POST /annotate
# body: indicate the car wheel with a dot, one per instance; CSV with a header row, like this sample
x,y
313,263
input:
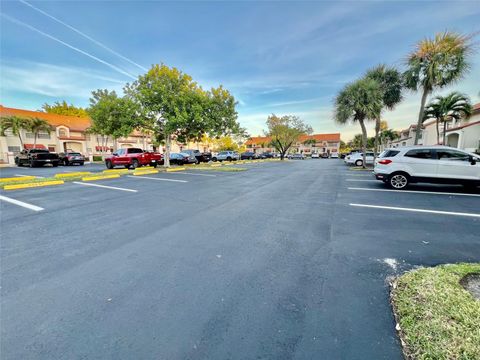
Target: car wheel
x,y
55,164
229,158
31,163
214,159
81,163
109,164
359,162
398,181
250,158
135,163
65,162
154,164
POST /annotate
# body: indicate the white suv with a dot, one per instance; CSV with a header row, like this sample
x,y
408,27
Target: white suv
x,y
357,158
433,164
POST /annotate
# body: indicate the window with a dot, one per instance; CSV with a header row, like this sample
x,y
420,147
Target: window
x,y
29,135
43,135
389,153
14,149
452,155
51,148
134,151
62,132
420,154
8,132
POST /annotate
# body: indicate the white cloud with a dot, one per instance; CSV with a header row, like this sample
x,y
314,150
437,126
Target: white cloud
x,y
54,80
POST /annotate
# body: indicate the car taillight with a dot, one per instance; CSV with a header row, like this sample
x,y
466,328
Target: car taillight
x,y
385,161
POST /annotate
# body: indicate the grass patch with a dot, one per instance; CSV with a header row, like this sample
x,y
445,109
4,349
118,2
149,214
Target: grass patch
x,y
438,318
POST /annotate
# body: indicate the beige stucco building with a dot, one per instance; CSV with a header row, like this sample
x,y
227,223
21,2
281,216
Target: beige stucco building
x,y
306,144
70,133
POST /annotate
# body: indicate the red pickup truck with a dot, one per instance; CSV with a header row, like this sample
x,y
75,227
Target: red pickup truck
x,y
133,157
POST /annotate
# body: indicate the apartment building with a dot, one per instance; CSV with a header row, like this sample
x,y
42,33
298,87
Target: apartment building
x,y
306,144
70,133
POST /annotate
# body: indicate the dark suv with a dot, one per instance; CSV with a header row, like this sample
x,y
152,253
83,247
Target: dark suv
x,y
71,158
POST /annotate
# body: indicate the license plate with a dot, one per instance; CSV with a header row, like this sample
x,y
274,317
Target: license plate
x,y
48,160
154,160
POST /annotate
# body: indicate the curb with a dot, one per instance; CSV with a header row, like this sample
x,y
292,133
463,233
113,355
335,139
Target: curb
x,y
175,169
100,177
23,178
75,174
32,185
145,172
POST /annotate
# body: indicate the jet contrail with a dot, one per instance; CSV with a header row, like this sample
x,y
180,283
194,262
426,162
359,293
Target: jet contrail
x,y
116,68
84,35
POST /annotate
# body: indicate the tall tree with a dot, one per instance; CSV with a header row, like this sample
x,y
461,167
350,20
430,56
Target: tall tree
x,y
174,106
16,125
359,102
436,63
113,115
284,131
444,108
35,126
391,83
62,108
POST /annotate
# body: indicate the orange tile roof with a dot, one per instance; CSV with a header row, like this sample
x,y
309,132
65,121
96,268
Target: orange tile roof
x,y
258,140
72,122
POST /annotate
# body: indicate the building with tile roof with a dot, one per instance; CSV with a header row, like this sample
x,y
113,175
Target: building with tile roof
x,y
306,144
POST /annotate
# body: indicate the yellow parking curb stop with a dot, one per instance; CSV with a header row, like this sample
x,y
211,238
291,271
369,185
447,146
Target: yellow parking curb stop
x,y
32,185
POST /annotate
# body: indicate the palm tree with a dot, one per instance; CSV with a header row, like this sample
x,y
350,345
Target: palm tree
x,y
388,134
436,63
443,108
359,101
391,84
36,125
15,124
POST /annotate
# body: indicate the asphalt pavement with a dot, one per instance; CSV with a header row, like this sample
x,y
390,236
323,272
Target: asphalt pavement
x,y
283,261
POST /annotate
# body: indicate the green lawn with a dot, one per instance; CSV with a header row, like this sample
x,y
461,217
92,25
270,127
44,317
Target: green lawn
x,y
438,318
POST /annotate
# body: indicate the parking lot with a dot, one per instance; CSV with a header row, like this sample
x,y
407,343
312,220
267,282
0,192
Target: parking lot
x,y
284,260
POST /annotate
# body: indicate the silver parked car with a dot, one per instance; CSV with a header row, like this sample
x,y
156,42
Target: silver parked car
x,y
226,156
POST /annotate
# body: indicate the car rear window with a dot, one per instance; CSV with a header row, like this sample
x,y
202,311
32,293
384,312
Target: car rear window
x,y
420,154
135,151
74,154
389,153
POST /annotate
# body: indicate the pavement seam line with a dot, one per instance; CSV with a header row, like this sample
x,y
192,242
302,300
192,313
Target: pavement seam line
x,y
416,210
158,179
415,191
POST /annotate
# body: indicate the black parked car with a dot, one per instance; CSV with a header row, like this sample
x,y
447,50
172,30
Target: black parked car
x,y
248,155
36,157
201,157
71,158
182,158
268,155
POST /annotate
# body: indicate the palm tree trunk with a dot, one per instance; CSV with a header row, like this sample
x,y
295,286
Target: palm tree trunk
x,y
377,131
444,132
364,143
34,140
21,141
420,115
438,132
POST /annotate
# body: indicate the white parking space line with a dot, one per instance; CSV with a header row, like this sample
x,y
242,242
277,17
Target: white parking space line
x,y
416,210
41,177
369,180
21,203
104,186
189,173
415,192
158,179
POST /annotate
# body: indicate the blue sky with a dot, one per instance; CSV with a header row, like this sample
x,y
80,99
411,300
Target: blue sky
x,y
277,57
